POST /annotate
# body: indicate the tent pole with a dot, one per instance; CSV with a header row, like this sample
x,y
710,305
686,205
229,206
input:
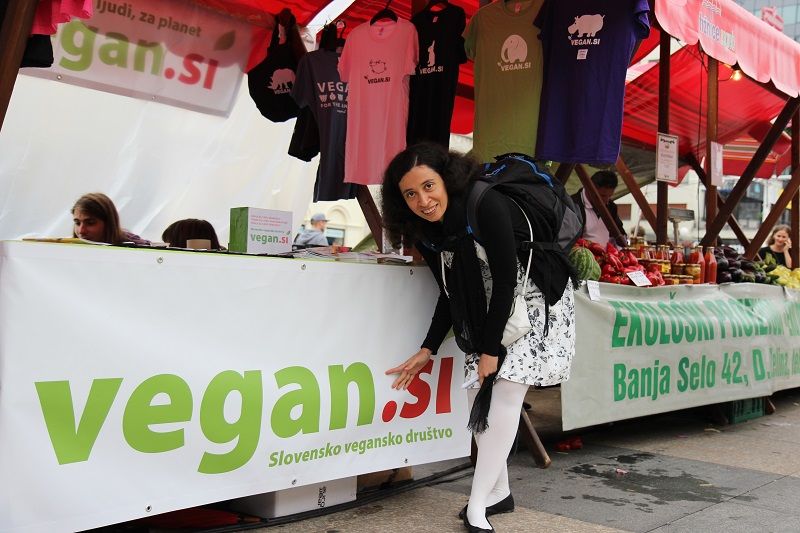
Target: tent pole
x,y
14,35
633,188
794,231
732,222
371,213
563,172
712,108
713,228
662,191
598,205
775,213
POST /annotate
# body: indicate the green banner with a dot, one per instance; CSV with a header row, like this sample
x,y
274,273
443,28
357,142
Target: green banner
x,y
646,351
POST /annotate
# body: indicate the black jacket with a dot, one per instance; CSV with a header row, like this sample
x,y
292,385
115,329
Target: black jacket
x,y
612,208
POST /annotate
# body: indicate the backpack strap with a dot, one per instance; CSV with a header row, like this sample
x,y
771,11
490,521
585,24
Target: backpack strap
x,y
479,188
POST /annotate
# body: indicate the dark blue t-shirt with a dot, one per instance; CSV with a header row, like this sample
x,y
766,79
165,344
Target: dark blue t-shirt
x,y
587,45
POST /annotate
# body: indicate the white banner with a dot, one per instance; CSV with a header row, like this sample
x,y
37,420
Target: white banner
x,y
135,382
647,351
190,57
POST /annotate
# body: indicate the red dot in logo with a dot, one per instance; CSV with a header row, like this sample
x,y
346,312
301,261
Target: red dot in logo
x,y
169,73
389,411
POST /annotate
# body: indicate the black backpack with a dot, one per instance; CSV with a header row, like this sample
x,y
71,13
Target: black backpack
x,y
556,221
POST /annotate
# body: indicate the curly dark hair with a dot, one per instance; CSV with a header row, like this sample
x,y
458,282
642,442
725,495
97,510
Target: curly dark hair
x,y
456,170
180,231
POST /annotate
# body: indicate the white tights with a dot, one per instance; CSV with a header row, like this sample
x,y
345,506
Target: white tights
x,y
490,482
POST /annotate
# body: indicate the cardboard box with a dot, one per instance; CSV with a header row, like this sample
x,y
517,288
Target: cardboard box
x,y
260,231
297,499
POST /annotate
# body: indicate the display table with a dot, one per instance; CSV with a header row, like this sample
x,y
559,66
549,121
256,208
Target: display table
x,y
136,381
646,351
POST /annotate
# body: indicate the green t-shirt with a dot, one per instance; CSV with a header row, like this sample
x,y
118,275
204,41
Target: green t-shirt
x,y
505,46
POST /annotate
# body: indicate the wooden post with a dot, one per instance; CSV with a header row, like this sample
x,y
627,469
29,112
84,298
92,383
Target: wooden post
x,y
783,200
732,222
713,227
662,191
630,182
371,213
14,35
563,171
599,207
794,231
712,106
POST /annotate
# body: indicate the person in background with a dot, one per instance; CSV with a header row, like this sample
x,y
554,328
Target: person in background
x,y
778,246
315,235
180,231
95,218
594,229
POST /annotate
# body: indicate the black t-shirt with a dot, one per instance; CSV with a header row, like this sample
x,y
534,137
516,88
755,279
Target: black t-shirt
x,y
433,85
319,87
779,256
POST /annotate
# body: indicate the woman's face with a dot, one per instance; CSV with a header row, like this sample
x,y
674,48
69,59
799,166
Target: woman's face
x,y
781,238
424,192
87,226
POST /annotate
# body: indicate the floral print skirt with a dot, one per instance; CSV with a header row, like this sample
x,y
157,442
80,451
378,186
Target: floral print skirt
x,y
535,359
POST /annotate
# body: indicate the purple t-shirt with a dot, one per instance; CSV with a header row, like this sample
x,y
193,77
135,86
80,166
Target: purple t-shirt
x,y
588,45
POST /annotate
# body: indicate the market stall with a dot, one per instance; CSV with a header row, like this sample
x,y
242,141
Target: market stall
x,y
124,394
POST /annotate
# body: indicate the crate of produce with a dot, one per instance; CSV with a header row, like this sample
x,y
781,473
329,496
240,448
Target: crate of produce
x,y
743,410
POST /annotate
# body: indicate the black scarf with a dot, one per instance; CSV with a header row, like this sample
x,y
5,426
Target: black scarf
x,y
467,295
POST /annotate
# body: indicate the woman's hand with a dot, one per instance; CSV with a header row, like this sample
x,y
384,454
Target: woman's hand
x,y
409,369
487,365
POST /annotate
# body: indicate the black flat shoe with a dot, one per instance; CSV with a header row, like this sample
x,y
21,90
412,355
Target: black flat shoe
x,y
506,505
476,529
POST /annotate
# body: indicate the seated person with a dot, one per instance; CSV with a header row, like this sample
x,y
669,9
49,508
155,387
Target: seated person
x,y
181,231
778,246
95,218
315,235
594,229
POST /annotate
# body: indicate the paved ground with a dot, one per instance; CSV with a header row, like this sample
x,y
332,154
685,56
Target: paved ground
x,y
669,473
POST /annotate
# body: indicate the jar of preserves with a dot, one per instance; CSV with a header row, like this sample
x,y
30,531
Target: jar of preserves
x,y
685,280
695,270
670,279
666,266
678,268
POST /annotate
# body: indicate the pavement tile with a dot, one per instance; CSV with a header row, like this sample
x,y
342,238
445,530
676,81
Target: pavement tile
x,y
431,509
733,517
780,496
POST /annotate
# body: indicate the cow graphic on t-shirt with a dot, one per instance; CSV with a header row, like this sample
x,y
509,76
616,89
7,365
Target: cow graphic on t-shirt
x,y
282,81
513,54
378,68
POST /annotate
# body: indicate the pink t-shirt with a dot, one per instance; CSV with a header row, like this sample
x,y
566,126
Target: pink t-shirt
x,y
376,62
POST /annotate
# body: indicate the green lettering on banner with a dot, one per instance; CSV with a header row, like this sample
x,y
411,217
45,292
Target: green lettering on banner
x,y
307,396
77,40
114,53
73,445
156,50
245,431
619,382
140,414
340,379
620,321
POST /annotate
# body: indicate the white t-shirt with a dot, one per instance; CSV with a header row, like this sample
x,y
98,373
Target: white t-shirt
x,y
595,230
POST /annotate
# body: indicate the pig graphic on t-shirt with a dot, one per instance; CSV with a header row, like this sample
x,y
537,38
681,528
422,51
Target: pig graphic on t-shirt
x,y
282,80
586,25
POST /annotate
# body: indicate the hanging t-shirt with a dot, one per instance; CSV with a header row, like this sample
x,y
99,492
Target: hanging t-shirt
x,y
376,62
319,87
433,86
505,46
588,45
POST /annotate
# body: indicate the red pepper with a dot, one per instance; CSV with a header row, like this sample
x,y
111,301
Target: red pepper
x,y
615,262
611,249
625,280
596,249
583,243
631,258
631,269
654,267
607,270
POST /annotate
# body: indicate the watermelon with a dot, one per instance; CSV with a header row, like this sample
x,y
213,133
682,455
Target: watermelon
x,y
585,263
